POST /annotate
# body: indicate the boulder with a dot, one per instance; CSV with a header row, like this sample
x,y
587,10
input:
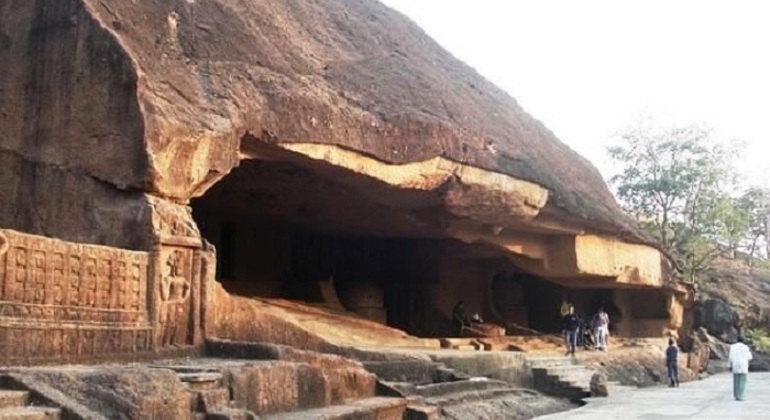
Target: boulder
x,y
699,355
719,319
718,350
717,366
599,385
760,363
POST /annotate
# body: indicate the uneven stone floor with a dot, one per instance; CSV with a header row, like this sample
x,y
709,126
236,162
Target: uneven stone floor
x,y
711,398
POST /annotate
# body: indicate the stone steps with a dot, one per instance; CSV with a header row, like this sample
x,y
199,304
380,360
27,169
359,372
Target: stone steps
x,y
237,390
470,385
14,405
417,372
375,408
201,381
548,361
10,399
209,398
30,413
427,400
561,377
228,414
470,396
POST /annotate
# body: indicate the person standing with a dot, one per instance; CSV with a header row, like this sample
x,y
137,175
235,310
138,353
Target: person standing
x,y
672,363
570,326
740,356
601,323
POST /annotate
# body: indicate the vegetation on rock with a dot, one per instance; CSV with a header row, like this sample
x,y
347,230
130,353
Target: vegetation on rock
x,y
681,184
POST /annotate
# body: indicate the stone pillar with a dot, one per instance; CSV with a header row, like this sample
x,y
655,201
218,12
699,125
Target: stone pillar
x,y
675,312
623,302
365,299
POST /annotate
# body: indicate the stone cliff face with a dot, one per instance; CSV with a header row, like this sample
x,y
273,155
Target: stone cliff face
x,y
106,104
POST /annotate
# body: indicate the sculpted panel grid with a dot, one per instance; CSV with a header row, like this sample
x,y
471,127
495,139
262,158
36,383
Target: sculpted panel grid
x,y
58,281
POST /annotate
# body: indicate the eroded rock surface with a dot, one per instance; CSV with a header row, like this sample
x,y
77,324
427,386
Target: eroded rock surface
x,y
163,95
718,319
118,392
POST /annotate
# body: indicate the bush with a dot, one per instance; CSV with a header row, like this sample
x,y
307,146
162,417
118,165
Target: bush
x,y
759,338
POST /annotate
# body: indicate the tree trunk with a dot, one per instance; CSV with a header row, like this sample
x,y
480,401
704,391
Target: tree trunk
x,y
753,250
664,230
767,239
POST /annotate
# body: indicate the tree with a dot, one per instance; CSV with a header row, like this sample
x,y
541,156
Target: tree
x,y
675,181
756,203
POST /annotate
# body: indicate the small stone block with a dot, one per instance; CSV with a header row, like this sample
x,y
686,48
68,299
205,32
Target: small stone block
x,y
10,399
210,401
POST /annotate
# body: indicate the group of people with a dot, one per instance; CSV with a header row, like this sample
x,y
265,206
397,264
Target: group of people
x,y
738,358
579,333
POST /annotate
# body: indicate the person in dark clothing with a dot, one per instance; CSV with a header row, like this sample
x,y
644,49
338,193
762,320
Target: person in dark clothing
x,y
672,356
570,326
458,317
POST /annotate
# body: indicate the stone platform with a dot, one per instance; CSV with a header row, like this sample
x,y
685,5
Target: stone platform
x,y
708,399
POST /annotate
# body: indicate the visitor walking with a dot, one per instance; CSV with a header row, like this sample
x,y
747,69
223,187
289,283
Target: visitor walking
x,y
601,323
672,363
570,326
739,358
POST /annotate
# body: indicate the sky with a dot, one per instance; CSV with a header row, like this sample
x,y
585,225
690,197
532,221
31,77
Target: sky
x,y
589,68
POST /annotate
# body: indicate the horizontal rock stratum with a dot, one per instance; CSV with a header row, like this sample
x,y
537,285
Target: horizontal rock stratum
x,y
109,107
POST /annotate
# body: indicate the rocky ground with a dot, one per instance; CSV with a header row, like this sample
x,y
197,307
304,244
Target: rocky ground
x,y
640,367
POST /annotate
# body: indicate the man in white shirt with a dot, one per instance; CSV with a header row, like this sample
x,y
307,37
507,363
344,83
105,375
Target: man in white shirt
x,y
740,355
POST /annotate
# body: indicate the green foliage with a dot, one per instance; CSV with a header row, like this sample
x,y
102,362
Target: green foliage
x,y
756,205
759,338
676,181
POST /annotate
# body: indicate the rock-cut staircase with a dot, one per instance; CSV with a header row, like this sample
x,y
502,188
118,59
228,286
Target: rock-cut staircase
x,y
215,396
430,388
565,377
17,405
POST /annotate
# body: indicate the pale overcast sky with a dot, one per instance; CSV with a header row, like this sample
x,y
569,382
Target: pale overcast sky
x,y
586,68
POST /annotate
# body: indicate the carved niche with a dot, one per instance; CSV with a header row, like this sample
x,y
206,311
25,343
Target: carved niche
x,y
177,290
174,296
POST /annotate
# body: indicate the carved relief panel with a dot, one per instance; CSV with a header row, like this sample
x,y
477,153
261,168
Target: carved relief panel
x,y
174,296
66,300
176,275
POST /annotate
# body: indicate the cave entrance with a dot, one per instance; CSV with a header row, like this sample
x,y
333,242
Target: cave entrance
x,y
526,300
299,229
535,303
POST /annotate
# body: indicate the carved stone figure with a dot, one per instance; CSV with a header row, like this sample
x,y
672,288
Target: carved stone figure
x,y
174,295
